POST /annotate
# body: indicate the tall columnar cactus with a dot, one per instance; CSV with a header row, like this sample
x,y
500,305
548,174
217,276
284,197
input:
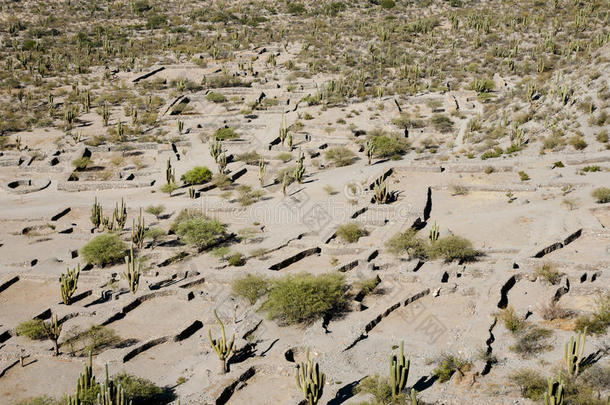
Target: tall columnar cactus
x,y
137,231
283,130
290,140
53,330
299,171
97,214
180,126
310,380
369,149
120,214
381,193
86,379
108,223
222,162
554,395
111,393
434,233
192,192
399,372
105,115
215,149
132,272
262,168
87,101
572,356
221,347
285,181
170,173
67,284
413,397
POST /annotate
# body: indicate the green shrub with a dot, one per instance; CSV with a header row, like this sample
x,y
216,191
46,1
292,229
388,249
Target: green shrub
x,y
247,196
510,320
155,210
304,298
387,4
366,286
81,163
156,21
524,176
351,232
104,250
407,242
548,272
95,340
201,232
380,389
197,175
225,133
448,365
532,341
284,157
452,248
32,329
482,85
388,146
441,123
215,97
601,195
295,8
237,259
577,142
249,158
250,287
141,391
530,382
340,156
591,169
496,152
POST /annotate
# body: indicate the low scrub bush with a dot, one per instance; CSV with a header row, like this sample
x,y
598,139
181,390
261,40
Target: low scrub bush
x,y
225,133
388,145
511,321
532,341
448,365
530,382
598,322
215,97
351,232
32,329
452,248
94,339
141,391
340,156
547,272
305,298
197,175
195,229
104,250
250,287
601,195
407,242
236,259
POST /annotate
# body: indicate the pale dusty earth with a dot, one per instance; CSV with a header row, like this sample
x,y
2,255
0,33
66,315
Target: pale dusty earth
x,y
453,304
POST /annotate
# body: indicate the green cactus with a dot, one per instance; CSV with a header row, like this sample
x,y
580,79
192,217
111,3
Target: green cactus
x,y
555,393
290,139
369,149
283,130
111,393
137,231
120,130
120,214
222,162
132,272
180,126
434,233
299,171
220,346
572,356
413,397
67,284
170,173
192,192
310,380
215,149
105,115
262,168
108,223
52,330
381,194
87,101
86,381
97,214
285,181
399,372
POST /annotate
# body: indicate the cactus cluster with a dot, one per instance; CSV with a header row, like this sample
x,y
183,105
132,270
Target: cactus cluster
x,y
110,393
53,330
299,171
283,130
399,372
310,380
215,149
132,272
222,162
574,350
262,168
97,214
381,193
120,214
221,347
434,233
170,173
67,284
369,150
555,392
137,231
